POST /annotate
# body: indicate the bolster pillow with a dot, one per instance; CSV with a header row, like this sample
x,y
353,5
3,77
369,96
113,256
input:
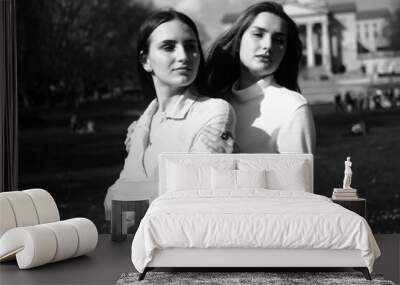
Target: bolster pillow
x,y
40,244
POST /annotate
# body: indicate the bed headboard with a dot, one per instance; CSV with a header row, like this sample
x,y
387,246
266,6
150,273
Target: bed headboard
x,y
287,170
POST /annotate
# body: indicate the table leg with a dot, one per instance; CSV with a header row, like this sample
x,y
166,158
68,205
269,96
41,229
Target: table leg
x,y
116,221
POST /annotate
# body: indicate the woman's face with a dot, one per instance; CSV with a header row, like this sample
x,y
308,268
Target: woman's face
x,y
263,45
173,55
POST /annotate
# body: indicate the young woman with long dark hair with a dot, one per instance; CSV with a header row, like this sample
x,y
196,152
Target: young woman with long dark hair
x,y
171,71
255,65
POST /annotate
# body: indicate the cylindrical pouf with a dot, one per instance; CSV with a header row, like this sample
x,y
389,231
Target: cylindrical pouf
x,y
45,205
87,235
67,239
7,218
23,208
33,246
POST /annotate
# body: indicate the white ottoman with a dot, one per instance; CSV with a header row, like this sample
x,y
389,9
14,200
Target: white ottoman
x,y
31,231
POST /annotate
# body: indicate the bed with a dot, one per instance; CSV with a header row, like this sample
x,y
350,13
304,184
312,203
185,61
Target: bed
x,y
247,210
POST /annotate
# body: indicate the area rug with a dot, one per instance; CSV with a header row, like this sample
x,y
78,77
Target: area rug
x,y
244,278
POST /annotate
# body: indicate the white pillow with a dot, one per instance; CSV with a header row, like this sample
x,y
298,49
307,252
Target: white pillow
x,y
181,178
251,179
223,179
237,179
193,174
281,174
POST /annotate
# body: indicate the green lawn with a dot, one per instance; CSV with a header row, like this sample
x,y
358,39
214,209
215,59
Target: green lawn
x,y
78,168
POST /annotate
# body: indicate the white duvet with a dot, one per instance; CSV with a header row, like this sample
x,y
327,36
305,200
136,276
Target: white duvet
x,y
250,219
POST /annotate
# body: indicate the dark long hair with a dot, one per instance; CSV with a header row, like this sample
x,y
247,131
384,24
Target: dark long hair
x,y
147,27
223,61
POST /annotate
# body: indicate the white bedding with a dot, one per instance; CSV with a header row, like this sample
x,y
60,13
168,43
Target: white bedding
x,y
251,218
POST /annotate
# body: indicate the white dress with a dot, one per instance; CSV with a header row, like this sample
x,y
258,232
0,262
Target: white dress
x,y
272,119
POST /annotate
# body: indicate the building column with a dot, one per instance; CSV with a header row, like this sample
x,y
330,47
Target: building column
x,y
326,59
310,48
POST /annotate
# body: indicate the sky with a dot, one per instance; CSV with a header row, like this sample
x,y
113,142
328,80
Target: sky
x,y
209,13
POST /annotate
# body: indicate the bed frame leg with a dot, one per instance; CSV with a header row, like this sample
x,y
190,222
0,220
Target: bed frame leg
x,y
143,274
364,271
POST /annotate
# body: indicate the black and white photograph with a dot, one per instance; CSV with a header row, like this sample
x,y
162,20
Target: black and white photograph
x,y
200,142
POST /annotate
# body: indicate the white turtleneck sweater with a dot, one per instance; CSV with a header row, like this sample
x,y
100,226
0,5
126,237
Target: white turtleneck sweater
x,y
272,119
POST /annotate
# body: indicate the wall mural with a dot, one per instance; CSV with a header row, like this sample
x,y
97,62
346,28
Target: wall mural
x,y
82,92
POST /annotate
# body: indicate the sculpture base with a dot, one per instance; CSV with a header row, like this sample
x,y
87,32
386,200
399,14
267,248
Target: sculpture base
x,y
348,190
344,194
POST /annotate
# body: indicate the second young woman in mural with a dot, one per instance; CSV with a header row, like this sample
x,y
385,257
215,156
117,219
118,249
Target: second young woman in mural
x,y
255,65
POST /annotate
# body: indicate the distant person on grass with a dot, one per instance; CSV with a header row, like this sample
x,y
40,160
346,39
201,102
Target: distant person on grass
x,y
171,70
350,102
338,106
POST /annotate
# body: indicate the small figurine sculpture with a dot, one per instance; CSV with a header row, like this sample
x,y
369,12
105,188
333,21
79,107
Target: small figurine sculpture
x,y
347,174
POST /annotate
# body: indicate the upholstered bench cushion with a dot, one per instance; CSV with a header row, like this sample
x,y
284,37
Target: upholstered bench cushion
x,y
40,244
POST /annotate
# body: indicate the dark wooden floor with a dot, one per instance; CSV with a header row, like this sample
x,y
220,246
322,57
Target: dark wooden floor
x,y
111,259
103,266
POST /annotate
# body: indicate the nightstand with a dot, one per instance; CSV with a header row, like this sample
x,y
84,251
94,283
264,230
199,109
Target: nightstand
x,y
357,205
